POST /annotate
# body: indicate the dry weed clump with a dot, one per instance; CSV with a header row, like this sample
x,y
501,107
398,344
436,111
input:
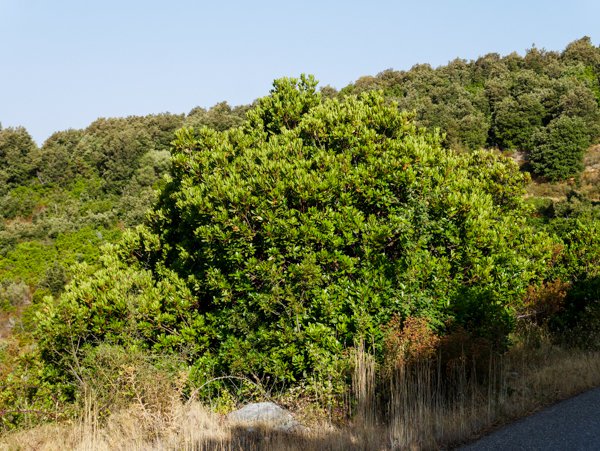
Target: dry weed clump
x,y
408,342
542,302
189,426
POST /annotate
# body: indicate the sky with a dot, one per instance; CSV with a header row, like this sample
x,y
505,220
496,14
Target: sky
x,y
68,62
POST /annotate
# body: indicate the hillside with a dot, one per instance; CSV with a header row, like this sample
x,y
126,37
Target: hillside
x,y
253,252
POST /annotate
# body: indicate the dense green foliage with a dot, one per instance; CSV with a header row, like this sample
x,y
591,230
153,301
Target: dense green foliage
x,y
278,245
576,224
559,147
282,234
60,202
16,149
545,103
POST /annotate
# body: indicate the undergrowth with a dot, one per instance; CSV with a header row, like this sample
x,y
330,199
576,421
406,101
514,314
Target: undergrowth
x,y
426,395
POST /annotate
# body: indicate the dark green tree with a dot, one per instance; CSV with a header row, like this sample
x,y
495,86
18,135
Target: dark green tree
x,y
113,147
59,160
557,150
16,152
582,51
516,120
220,116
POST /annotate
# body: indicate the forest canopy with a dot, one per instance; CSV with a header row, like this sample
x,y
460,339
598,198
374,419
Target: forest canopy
x,y
544,104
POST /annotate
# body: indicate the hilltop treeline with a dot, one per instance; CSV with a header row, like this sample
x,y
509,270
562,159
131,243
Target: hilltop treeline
x,y
273,238
545,103
59,202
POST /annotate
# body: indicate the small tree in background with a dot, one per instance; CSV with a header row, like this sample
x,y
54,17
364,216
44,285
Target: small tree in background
x,y
16,151
557,151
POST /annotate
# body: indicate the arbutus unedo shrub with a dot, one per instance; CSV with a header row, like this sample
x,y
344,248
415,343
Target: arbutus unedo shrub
x,y
308,228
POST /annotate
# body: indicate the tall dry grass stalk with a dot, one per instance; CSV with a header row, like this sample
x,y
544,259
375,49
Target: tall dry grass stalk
x,y
423,404
363,384
434,402
432,407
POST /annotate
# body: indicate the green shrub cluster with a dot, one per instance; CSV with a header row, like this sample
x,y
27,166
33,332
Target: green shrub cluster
x,y
278,245
575,223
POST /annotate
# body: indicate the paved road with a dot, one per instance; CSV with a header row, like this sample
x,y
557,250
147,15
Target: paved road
x,y
571,425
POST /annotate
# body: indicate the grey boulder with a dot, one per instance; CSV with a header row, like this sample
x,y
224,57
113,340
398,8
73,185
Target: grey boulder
x,y
265,414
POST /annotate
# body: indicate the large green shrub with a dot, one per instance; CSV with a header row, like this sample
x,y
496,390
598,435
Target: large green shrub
x,y
277,245
576,224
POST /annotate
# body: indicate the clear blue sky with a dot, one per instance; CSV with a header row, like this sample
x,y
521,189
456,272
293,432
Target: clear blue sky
x,y
67,62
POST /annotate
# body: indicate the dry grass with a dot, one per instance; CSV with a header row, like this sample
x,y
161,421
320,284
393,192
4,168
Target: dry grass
x,y
189,427
556,191
422,405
